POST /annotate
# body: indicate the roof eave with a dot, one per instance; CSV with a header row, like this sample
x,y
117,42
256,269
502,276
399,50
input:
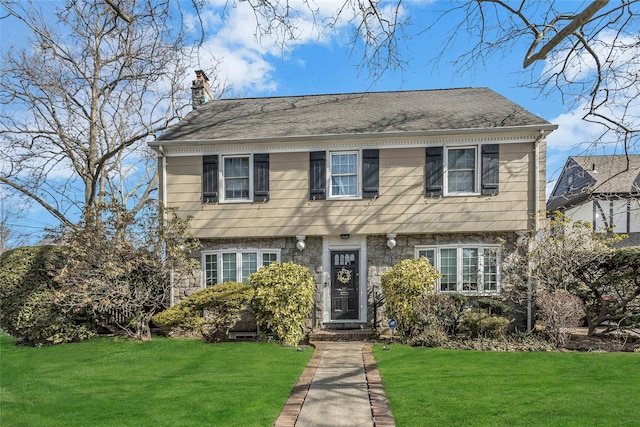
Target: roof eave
x,y
545,128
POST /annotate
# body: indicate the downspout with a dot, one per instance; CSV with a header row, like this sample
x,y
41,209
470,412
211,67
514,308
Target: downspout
x,y
536,225
163,201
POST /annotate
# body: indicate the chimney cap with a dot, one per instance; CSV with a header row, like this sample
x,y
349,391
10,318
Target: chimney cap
x,y
200,73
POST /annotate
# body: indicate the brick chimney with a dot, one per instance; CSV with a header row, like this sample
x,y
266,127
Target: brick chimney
x,y
200,91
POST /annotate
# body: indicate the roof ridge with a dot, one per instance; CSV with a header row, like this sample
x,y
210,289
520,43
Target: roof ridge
x,y
352,93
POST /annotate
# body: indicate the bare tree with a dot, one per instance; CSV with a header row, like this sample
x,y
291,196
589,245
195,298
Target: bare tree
x,y
588,52
97,80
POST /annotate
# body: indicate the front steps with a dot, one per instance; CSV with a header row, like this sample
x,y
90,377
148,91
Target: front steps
x,y
342,335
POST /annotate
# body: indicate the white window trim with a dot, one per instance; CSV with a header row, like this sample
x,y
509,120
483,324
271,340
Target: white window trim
x,y
329,187
445,168
222,182
459,247
238,252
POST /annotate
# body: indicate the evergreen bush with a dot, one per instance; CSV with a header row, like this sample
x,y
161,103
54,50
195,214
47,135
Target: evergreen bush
x,y
27,305
210,312
283,299
404,285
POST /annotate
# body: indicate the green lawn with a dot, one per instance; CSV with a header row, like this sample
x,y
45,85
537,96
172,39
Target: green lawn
x,y
435,387
179,382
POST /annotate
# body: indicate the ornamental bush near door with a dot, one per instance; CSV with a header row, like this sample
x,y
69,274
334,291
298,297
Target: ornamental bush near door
x,y
403,287
283,299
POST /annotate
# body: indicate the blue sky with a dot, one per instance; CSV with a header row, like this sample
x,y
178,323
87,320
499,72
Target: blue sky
x,y
326,62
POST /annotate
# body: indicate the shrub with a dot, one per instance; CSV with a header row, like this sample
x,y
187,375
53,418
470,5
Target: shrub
x,y
27,308
437,319
479,323
210,312
403,286
559,312
283,299
495,307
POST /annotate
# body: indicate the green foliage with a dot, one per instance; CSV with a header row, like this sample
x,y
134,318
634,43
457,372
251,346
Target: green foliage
x,y
118,267
27,290
479,323
403,286
495,307
211,311
283,299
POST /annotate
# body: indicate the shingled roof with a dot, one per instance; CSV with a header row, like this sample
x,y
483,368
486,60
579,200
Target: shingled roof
x,y
351,114
612,174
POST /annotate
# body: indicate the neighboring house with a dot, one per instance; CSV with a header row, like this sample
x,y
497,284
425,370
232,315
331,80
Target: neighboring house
x,y
603,191
350,184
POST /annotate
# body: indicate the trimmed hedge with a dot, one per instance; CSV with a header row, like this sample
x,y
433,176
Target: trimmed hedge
x,y
210,312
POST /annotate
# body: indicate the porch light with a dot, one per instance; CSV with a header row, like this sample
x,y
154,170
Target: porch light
x,y
391,240
301,245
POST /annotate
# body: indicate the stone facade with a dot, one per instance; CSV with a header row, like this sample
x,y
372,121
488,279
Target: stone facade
x,y
379,259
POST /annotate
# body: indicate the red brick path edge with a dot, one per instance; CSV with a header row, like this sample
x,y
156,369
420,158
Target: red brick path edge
x,y
291,410
380,409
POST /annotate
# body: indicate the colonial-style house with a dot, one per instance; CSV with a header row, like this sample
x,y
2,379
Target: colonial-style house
x,y
350,184
603,191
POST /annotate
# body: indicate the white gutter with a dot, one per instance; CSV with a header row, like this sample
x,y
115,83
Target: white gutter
x,y
536,212
163,174
163,200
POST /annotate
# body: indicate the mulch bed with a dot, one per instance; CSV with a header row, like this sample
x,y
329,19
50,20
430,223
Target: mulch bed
x,y
580,342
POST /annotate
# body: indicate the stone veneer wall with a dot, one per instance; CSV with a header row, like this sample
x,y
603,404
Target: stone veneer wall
x,y
310,257
380,259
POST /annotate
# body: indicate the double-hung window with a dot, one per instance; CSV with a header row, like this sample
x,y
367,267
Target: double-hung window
x,y
235,266
467,269
459,171
235,178
344,174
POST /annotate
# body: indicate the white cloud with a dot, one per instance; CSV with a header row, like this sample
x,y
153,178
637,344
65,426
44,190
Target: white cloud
x,y
245,55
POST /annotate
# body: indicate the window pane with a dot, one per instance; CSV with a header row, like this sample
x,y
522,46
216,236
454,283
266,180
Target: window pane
x,y
469,269
461,170
210,269
490,269
344,174
269,258
249,265
430,254
236,177
448,269
229,267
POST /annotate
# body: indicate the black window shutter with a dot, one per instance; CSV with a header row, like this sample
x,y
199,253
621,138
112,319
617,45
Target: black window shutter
x,y
370,173
317,175
209,179
490,169
433,172
260,177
